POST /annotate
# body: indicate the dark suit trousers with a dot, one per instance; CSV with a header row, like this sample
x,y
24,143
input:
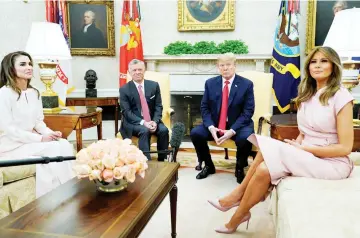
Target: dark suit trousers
x,y
200,135
144,136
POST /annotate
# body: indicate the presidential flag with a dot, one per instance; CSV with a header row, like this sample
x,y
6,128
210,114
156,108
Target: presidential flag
x,y
130,37
55,12
285,62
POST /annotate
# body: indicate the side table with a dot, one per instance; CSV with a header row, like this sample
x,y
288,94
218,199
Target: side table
x,y
75,118
284,126
99,101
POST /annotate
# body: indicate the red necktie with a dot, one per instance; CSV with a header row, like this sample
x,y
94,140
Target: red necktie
x,y
224,107
144,105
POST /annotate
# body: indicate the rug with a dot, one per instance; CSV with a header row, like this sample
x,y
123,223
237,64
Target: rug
x,y
189,160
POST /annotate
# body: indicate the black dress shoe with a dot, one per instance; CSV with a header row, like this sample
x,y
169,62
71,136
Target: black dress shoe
x,y
240,175
198,167
205,172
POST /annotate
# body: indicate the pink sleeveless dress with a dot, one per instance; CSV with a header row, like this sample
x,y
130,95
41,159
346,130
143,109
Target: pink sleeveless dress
x,y
318,124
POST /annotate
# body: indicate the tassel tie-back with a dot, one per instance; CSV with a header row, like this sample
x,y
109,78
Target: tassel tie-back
x,y
292,6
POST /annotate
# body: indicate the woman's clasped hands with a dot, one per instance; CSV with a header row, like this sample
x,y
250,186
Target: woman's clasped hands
x,y
56,135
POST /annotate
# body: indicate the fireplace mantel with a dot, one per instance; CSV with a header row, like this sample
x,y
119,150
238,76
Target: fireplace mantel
x,y
188,73
186,62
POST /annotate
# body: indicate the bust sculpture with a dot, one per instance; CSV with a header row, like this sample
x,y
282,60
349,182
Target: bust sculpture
x,y
90,78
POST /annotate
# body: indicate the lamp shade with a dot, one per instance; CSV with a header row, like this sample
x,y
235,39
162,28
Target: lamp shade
x,y
46,41
344,33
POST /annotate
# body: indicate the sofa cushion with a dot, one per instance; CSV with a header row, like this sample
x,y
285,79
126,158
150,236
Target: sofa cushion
x,y
15,195
1,179
4,203
318,208
15,173
21,193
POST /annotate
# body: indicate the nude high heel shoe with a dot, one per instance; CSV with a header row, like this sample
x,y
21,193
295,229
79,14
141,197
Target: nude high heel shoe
x,y
217,205
226,230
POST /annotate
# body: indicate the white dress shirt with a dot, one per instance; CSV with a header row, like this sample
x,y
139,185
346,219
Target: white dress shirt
x,y
230,83
142,86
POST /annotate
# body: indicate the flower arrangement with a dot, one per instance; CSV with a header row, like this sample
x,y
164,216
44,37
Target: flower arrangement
x,y
111,160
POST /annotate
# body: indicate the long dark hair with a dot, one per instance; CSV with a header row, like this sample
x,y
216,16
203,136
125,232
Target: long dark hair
x,y
8,73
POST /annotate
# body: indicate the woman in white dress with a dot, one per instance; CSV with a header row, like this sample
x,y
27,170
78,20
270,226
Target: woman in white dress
x,y
23,133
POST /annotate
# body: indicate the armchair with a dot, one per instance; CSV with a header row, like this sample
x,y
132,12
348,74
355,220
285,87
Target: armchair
x,y
164,82
262,93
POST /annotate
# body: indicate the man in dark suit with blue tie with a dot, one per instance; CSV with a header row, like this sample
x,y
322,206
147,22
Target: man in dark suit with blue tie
x,y
226,108
141,108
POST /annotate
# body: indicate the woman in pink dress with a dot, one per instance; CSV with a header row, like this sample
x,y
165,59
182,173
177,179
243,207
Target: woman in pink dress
x,y
320,151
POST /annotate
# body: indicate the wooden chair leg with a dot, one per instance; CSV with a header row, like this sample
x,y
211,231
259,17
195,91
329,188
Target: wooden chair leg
x,y
226,153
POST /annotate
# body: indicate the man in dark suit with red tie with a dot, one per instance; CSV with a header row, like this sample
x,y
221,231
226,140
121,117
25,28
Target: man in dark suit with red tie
x,y
226,108
141,108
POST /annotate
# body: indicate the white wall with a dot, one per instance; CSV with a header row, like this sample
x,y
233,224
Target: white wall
x,y
255,24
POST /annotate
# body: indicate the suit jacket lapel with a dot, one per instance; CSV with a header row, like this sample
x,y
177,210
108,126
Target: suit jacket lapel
x,y
135,93
233,90
219,93
147,90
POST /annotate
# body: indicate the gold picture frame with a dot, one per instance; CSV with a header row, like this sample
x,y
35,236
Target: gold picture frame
x,y
210,16
320,15
99,39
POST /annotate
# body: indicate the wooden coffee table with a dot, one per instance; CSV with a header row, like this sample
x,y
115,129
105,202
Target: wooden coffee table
x,y
77,209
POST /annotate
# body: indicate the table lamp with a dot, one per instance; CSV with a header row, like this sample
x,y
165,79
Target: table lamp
x,y
343,36
47,45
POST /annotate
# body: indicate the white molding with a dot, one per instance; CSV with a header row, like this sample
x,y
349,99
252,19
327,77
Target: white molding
x,y
202,57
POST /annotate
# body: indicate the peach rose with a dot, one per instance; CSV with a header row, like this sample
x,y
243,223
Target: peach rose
x,y
108,175
109,162
96,164
83,156
82,170
119,172
130,174
95,174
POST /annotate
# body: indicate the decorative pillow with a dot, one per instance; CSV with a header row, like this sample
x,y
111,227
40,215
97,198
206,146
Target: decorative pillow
x,y
355,157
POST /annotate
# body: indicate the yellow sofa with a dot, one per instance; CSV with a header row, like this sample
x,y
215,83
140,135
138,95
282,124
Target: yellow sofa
x,y
263,108
164,82
17,188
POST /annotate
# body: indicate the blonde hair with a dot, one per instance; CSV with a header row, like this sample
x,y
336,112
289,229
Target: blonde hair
x,y
307,87
227,57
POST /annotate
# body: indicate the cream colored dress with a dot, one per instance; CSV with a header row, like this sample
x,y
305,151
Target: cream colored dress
x,y
21,130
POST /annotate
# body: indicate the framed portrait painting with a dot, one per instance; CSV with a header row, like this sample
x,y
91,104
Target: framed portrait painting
x,y
91,27
206,15
320,17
